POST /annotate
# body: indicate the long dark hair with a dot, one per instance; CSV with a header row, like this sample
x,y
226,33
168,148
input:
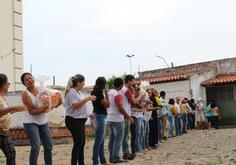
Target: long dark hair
x,y
153,94
100,84
3,79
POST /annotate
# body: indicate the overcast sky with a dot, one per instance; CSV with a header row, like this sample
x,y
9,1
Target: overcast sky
x,y
92,37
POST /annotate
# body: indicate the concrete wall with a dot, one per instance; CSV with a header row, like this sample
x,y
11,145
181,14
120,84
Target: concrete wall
x,y
11,36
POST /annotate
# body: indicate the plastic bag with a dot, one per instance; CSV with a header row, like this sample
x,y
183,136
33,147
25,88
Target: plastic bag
x,y
143,100
46,94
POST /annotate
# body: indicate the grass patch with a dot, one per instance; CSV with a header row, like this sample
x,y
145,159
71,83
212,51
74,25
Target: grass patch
x,y
188,159
226,156
2,161
214,132
188,163
87,147
214,148
234,150
200,154
194,153
183,142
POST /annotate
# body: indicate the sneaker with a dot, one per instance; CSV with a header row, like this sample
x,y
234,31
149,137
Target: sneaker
x,y
142,151
154,147
128,157
139,153
134,155
120,161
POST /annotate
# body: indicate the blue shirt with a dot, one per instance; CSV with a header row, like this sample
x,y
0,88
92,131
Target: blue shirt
x,y
208,114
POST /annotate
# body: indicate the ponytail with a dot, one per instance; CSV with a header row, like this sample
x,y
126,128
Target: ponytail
x,y
72,82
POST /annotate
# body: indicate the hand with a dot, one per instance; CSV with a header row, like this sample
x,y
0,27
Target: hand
x,y
59,102
159,108
92,117
92,98
151,118
45,105
142,93
149,102
106,88
20,108
219,117
131,120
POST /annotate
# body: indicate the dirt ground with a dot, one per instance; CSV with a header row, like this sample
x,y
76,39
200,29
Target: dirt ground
x,y
201,147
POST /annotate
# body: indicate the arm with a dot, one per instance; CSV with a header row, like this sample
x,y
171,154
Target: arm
x,y
13,109
27,101
209,110
106,101
217,111
135,101
153,108
79,104
123,112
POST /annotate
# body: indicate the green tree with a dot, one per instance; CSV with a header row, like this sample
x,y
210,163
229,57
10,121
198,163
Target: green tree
x,y
110,81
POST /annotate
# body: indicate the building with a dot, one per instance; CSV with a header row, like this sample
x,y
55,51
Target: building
x,y
209,80
11,36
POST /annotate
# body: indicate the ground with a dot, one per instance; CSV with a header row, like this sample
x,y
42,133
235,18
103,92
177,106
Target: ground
x,y
201,147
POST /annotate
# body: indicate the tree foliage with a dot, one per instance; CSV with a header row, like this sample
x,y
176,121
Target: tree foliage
x,y
110,81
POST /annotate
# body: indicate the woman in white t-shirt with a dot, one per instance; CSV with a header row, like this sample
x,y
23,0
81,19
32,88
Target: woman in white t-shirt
x,y
6,143
77,112
35,121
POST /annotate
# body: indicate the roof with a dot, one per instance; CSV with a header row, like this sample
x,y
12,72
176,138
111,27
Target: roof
x,y
221,80
166,78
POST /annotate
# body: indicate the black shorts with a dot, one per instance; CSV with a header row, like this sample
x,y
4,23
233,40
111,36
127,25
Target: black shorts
x,y
209,119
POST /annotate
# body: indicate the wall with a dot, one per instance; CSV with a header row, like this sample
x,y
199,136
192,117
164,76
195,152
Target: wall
x,y
222,67
11,36
173,89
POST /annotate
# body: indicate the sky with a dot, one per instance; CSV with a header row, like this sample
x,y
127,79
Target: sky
x,y
92,37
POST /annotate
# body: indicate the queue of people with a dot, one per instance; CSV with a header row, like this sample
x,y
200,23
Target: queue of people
x,y
120,109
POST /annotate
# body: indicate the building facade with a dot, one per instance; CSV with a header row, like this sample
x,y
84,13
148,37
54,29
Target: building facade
x,y
11,38
215,80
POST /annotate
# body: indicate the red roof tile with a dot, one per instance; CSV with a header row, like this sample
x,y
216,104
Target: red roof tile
x,y
221,80
166,78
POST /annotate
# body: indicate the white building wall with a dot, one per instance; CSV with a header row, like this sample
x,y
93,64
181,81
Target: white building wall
x,y
173,89
11,36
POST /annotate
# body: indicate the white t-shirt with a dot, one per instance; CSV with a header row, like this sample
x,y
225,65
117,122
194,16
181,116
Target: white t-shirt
x,y
126,95
114,114
39,119
147,115
72,97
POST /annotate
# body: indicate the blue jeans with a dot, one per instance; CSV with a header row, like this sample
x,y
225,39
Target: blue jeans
x,y
116,133
36,133
177,125
100,129
214,121
184,120
145,133
170,119
125,143
135,130
160,128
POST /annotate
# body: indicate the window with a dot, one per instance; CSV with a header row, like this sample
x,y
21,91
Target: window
x,y
221,93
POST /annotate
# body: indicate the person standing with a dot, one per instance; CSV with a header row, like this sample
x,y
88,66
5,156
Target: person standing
x,y
199,113
127,99
177,118
171,117
153,122
77,112
136,128
6,142
184,112
215,113
100,106
147,117
115,121
35,121
193,113
208,115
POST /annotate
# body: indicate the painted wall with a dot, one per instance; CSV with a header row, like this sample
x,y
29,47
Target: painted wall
x,y
11,36
173,89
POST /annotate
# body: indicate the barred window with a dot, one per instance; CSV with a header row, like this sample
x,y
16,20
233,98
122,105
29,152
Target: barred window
x,y
221,93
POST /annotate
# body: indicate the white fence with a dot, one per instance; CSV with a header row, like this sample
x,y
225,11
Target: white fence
x,y
55,117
